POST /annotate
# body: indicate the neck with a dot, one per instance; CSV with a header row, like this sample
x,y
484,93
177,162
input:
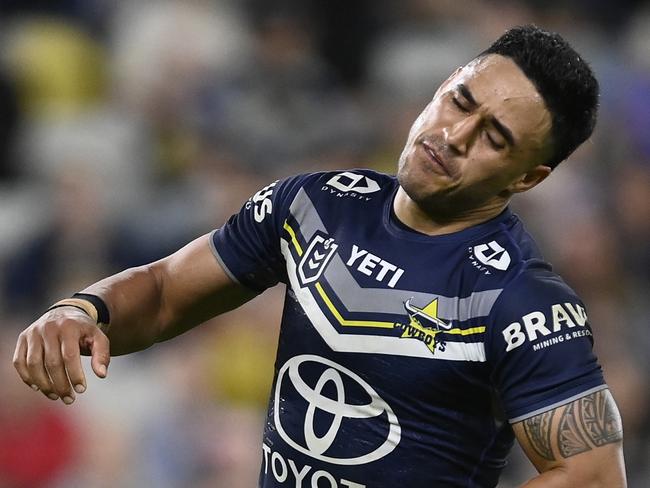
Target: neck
x,y
426,222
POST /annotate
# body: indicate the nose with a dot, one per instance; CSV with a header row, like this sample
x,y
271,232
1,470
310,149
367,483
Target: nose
x,y
459,136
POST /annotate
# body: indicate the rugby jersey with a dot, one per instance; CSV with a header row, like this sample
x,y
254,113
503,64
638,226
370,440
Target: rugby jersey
x,y
403,358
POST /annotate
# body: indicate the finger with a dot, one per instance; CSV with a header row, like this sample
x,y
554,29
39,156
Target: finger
x,y
56,368
72,360
20,362
36,368
101,355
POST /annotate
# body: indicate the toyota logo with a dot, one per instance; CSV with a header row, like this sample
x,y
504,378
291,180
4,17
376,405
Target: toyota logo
x,y
376,413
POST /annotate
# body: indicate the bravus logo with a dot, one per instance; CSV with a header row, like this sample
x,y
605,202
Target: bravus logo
x,y
567,321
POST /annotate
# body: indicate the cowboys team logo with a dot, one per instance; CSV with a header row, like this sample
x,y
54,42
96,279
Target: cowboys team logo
x,y
319,252
424,325
316,399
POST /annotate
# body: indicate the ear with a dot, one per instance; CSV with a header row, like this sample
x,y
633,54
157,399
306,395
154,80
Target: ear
x,y
529,179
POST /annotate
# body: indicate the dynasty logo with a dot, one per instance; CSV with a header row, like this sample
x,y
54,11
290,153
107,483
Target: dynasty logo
x,y
424,325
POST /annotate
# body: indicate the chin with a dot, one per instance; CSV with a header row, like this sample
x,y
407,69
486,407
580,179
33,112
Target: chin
x,y
415,187
432,197
418,184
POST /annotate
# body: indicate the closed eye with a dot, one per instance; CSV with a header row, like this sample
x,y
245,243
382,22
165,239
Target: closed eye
x,y
459,105
494,143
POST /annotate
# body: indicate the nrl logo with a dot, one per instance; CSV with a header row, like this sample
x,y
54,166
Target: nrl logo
x,y
319,252
424,325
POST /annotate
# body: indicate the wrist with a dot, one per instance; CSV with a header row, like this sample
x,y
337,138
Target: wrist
x,y
91,305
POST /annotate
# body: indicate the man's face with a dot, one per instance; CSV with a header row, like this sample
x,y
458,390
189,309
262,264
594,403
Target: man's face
x,y
486,128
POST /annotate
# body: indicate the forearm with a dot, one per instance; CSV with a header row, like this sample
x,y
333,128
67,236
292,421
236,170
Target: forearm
x,y
554,478
563,478
147,304
134,301
161,300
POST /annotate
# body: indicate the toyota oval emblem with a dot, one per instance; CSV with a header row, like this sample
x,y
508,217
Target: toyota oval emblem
x,y
316,441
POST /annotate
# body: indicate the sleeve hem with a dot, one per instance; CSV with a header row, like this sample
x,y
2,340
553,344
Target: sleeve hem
x,y
557,404
219,259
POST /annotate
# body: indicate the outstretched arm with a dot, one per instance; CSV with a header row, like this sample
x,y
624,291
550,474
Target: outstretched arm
x,y
161,300
577,444
147,304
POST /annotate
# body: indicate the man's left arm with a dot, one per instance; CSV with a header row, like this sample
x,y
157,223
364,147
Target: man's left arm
x,y
577,444
551,386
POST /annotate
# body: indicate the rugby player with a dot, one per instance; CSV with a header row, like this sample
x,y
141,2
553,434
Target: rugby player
x,y
422,331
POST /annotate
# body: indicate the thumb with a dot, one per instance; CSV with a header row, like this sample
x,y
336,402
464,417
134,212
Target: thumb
x,y
100,352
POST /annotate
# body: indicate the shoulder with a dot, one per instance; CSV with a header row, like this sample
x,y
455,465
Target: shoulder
x,y
505,252
531,294
534,282
538,308
351,182
337,193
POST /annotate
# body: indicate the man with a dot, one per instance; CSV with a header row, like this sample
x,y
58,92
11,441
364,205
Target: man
x,y
422,331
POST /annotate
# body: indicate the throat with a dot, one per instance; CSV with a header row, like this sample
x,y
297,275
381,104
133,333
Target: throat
x,y
443,221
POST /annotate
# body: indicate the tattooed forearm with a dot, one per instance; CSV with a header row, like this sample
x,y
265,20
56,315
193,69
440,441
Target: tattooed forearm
x,y
589,422
538,431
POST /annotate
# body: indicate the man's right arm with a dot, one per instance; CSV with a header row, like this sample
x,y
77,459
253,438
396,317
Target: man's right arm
x,y
147,304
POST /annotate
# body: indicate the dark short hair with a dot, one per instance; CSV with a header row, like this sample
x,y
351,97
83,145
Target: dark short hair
x,y
564,80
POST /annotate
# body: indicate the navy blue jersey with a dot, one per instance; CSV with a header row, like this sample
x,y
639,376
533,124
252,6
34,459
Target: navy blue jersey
x,y
402,357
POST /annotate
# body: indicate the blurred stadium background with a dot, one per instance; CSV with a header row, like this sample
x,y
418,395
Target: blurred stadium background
x,y
128,128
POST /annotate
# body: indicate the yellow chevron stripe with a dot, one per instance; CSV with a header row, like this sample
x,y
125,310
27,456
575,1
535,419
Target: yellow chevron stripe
x,y
292,233
350,323
464,332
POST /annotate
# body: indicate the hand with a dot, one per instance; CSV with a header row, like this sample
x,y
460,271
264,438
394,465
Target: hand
x,y
48,353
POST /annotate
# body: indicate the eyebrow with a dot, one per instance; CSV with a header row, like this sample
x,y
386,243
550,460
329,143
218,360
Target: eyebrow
x,y
467,94
502,129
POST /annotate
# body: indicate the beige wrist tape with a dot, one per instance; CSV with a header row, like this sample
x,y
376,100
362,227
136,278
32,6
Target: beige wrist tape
x,y
84,305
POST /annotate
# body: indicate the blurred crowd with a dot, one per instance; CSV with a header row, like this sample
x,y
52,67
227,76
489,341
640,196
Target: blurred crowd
x,y
129,127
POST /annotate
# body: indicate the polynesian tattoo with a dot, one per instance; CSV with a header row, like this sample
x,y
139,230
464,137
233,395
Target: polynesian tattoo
x,y
584,424
569,439
538,431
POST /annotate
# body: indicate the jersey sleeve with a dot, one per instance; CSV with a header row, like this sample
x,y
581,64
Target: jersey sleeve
x,y
248,245
539,346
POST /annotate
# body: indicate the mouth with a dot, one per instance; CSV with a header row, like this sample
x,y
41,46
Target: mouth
x,y
435,157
